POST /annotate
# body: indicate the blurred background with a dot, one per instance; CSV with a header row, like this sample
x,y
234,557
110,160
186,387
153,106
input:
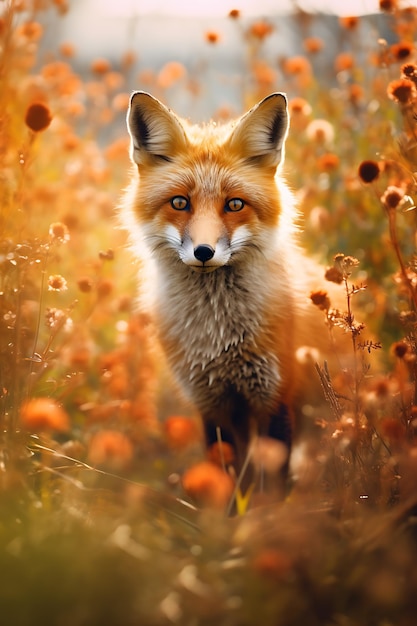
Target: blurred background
x,y
200,56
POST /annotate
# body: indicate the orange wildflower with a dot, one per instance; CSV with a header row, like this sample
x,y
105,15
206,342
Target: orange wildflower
x,y
388,6
59,231
39,414
328,162
56,282
401,51
234,13
261,29
402,90
110,448
221,453
120,102
100,66
32,31
119,149
264,73
299,106
313,45
85,284
350,23
104,288
67,50
170,74
297,65
38,117
180,431
355,93
55,70
212,37
113,80
206,483
344,61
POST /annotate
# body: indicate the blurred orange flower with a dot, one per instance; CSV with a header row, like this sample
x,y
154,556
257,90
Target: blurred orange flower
x,y
100,66
180,431
212,36
221,453
272,563
297,65
171,73
67,50
113,80
344,61
38,117
85,284
59,231
206,483
119,149
56,282
110,448
321,131
261,29
299,106
350,22
32,31
38,414
328,162
402,90
402,51
104,288
313,45
388,5
120,102
355,93
264,73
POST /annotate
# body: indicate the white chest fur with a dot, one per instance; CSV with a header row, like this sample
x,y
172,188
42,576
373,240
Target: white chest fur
x,y
212,323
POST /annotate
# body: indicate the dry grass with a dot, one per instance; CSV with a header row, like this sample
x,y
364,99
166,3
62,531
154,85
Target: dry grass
x,y
93,443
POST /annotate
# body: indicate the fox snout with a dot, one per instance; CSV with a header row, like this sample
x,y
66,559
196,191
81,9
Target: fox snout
x,y
204,252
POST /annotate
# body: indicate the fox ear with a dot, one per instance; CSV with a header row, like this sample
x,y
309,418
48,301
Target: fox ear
x,y
154,130
260,134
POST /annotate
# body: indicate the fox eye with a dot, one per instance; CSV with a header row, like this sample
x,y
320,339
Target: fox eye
x,y
180,203
235,204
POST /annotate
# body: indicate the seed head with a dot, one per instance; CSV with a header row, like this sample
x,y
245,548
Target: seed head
x,y
392,197
320,299
368,171
401,90
38,117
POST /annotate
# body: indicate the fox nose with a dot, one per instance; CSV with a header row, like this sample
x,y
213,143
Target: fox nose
x,y
203,252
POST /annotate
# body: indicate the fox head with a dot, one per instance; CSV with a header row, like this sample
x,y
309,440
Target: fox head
x,y
207,196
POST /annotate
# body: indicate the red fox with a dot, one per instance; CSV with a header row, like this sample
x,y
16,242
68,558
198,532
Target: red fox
x,y
214,223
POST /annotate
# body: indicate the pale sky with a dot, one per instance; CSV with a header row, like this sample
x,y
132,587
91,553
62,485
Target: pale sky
x,y
214,8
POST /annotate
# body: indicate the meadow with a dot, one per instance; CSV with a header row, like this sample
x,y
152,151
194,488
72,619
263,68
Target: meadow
x,y
111,511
